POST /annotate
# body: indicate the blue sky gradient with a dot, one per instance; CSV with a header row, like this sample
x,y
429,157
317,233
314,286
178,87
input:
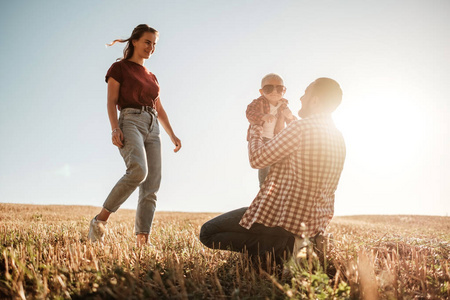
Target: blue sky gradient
x,y
390,57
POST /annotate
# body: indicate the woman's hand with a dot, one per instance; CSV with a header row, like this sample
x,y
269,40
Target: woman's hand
x,y
176,141
117,137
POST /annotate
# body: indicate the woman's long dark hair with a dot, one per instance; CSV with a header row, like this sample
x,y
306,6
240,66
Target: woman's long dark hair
x,y
135,35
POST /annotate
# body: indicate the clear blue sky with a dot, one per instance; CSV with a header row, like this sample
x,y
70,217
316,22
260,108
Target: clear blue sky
x,y
390,57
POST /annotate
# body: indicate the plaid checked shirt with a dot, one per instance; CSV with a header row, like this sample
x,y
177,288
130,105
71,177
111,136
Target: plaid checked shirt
x,y
306,160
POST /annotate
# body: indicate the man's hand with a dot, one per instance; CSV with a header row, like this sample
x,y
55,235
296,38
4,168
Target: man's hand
x,y
256,130
288,114
268,118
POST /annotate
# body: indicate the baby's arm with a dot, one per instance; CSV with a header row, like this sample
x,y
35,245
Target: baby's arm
x,y
269,118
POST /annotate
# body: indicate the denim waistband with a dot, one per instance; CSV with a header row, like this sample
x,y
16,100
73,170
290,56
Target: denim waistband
x,y
148,109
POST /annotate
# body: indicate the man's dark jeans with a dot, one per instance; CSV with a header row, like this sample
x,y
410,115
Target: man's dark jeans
x,y
225,233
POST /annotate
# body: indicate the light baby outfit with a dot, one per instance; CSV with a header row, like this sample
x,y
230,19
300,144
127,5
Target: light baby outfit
x,y
255,111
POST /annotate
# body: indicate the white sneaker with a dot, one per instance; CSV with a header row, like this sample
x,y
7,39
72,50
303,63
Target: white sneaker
x,y
300,247
323,243
97,230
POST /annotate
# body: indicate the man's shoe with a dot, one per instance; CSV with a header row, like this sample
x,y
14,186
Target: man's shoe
x,y
323,243
300,247
97,230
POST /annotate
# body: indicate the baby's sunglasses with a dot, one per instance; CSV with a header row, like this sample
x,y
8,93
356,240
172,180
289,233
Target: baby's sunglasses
x,y
267,89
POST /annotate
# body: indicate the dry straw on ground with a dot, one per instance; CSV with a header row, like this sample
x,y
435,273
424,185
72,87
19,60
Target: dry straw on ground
x,y
44,254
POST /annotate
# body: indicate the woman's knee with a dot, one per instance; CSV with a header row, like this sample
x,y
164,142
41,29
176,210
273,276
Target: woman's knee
x,y
137,173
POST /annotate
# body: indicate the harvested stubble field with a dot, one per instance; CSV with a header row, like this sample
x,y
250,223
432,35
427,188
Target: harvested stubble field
x,y
45,254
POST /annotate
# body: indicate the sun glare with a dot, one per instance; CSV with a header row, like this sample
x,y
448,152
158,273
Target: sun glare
x,y
383,131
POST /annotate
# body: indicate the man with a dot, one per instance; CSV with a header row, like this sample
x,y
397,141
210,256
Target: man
x,y
297,197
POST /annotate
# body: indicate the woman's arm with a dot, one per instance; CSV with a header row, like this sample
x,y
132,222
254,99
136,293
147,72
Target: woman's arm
x,y
164,120
113,97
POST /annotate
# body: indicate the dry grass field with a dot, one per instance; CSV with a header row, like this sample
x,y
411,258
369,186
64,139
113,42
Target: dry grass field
x,y
44,254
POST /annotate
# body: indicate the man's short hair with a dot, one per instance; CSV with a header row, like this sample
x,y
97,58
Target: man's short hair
x,y
328,91
270,76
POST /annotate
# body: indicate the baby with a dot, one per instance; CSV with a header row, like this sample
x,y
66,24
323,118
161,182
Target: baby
x,y
270,110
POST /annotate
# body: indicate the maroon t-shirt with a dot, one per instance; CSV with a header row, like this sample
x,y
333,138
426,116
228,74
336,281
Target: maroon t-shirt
x,y
138,86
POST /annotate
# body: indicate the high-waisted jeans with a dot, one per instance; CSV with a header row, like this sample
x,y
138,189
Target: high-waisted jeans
x,y
224,232
142,155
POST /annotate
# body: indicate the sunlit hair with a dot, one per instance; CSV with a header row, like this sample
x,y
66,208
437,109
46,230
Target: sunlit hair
x,y
135,35
270,76
328,91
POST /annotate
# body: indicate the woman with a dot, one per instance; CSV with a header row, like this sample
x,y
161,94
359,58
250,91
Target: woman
x,y
135,92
